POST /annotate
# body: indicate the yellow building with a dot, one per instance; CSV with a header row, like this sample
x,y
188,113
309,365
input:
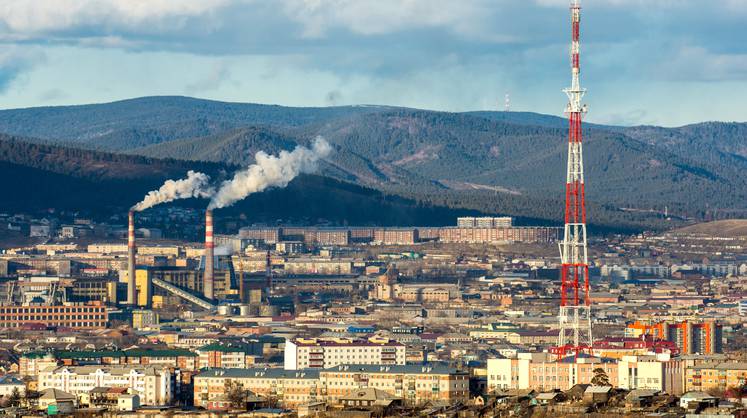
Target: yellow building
x,y
718,376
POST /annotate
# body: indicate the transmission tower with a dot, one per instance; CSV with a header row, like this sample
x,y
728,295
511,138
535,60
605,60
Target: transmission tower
x,y
575,306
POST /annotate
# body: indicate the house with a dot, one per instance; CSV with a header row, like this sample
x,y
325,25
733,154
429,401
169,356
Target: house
x,y
311,409
128,402
576,392
640,398
695,399
597,394
223,403
550,398
369,398
102,397
55,401
10,384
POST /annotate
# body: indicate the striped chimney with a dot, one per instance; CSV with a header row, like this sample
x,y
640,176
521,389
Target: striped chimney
x,y
208,280
131,249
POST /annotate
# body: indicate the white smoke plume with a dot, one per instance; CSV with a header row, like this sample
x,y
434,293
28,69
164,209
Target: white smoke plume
x,y
195,185
270,171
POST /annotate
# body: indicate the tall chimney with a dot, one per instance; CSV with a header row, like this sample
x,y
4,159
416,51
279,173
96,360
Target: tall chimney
x,y
131,292
268,276
207,278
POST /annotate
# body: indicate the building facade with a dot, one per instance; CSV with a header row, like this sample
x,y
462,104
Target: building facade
x,y
313,353
153,384
75,316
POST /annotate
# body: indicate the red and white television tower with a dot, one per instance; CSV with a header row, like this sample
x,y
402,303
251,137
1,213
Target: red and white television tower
x,y
575,306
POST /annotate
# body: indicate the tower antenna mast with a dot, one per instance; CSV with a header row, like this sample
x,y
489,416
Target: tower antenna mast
x,y
575,305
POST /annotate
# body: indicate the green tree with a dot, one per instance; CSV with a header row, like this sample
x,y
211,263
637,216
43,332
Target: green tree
x,y
15,398
600,378
235,394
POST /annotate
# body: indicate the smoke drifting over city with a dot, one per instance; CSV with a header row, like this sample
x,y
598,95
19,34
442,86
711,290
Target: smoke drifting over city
x,y
195,185
270,171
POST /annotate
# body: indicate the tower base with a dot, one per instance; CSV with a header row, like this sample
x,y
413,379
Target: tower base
x,y
574,337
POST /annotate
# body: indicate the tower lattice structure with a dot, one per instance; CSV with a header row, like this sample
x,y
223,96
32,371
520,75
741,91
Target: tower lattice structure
x,y
575,305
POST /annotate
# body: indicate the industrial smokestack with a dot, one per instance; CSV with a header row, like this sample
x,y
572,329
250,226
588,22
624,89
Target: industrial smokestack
x,y
131,292
207,280
268,276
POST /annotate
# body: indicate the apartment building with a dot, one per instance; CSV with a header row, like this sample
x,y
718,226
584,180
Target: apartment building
x,y
480,235
395,236
318,266
690,337
31,364
226,355
485,222
542,371
75,316
659,372
416,384
291,388
715,376
153,384
315,353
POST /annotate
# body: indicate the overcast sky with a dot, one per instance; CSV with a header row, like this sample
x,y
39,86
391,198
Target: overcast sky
x,y
667,62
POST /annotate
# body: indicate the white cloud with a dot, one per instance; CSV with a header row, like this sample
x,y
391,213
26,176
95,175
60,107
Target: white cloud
x,y
39,16
383,16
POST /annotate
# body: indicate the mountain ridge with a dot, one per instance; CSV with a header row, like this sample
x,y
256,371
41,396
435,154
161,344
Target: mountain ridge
x,y
486,161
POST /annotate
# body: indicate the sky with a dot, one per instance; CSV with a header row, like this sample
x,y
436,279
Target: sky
x,y
663,62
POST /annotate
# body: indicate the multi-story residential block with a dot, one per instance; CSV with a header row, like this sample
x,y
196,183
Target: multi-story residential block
x,y
542,371
267,235
31,364
690,337
314,353
715,376
331,236
291,388
318,266
395,236
485,222
232,355
416,384
659,372
153,384
480,235
76,316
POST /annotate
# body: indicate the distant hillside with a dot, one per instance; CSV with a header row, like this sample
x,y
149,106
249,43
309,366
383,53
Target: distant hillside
x,y
731,228
493,162
44,176
134,123
412,152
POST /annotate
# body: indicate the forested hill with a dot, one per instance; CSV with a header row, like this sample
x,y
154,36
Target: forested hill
x,y
494,162
40,176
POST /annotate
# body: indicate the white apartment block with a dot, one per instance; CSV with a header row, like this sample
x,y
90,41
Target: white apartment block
x,y
659,372
154,385
313,353
541,371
